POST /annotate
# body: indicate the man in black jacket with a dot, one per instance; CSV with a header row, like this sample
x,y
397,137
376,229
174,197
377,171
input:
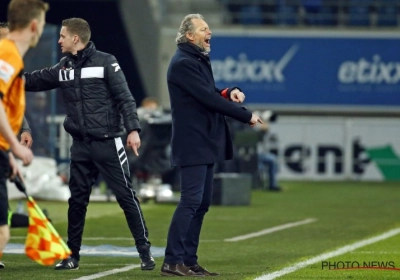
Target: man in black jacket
x,y
100,109
200,138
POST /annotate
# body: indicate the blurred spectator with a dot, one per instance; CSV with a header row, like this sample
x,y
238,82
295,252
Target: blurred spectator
x,y
154,160
36,114
259,163
148,107
267,161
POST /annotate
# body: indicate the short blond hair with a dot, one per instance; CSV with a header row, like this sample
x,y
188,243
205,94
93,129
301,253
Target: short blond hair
x,y
22,12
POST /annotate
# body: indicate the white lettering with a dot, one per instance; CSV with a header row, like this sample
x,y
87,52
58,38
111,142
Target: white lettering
x,y
369,72
244,70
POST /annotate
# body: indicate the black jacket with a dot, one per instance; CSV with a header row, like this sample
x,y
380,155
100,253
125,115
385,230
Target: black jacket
x,y
200,134
98,101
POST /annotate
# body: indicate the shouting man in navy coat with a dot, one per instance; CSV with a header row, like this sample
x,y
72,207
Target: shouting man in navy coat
x,y
200,138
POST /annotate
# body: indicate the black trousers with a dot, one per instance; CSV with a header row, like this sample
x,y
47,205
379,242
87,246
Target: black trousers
x,y
108,157
4,174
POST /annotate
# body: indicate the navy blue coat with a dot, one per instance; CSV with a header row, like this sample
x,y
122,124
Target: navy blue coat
x,y
200,134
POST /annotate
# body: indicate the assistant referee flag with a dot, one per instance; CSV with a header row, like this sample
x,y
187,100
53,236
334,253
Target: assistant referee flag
x,y
43,244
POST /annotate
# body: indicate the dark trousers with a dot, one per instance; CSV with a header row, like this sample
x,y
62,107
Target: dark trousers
x,y
4,174
108,157
184,231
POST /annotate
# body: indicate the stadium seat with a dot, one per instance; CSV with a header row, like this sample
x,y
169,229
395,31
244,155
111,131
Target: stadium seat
x,y
359,12
387,12
250,15
312,9
319,12
286,13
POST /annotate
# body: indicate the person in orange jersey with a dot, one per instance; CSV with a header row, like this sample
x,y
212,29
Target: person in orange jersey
x,y
26,19
26,133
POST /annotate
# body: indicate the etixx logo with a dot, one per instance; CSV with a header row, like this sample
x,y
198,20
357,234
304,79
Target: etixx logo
x,y
242,69
373,71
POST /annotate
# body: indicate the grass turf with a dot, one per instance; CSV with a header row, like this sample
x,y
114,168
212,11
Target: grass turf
x,y
346,212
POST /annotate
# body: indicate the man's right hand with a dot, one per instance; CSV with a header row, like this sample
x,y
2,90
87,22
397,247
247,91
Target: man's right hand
x,y
15,171
23,153
254,120
133,141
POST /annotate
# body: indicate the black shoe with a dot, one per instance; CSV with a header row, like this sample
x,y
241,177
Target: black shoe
x,y
147,261
2,265
68,264
178,270
198,269
275,189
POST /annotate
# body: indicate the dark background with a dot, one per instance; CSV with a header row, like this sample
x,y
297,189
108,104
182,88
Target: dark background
x,y
108,32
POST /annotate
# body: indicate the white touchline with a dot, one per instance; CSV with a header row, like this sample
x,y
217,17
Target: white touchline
x,y
118,238
270,230
88,238
109,272
338,252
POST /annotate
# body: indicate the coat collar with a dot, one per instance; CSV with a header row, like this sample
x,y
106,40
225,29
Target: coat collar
x,y
195,50
84,53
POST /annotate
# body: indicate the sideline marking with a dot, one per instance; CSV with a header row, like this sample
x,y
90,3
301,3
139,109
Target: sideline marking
x,y
100,250
270,230
340,251
118,238
109,272
89,238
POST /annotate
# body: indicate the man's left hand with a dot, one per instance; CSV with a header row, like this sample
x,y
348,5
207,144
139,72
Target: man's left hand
x,y
133,141
237,96
26,139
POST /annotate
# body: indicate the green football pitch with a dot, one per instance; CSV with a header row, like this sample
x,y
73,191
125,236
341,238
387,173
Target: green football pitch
x,y
311,230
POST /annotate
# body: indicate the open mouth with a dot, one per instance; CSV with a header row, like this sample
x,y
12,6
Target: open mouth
x,y
207,41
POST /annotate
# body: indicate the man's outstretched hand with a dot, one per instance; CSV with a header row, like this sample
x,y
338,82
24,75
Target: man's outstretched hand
x,y
254,120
